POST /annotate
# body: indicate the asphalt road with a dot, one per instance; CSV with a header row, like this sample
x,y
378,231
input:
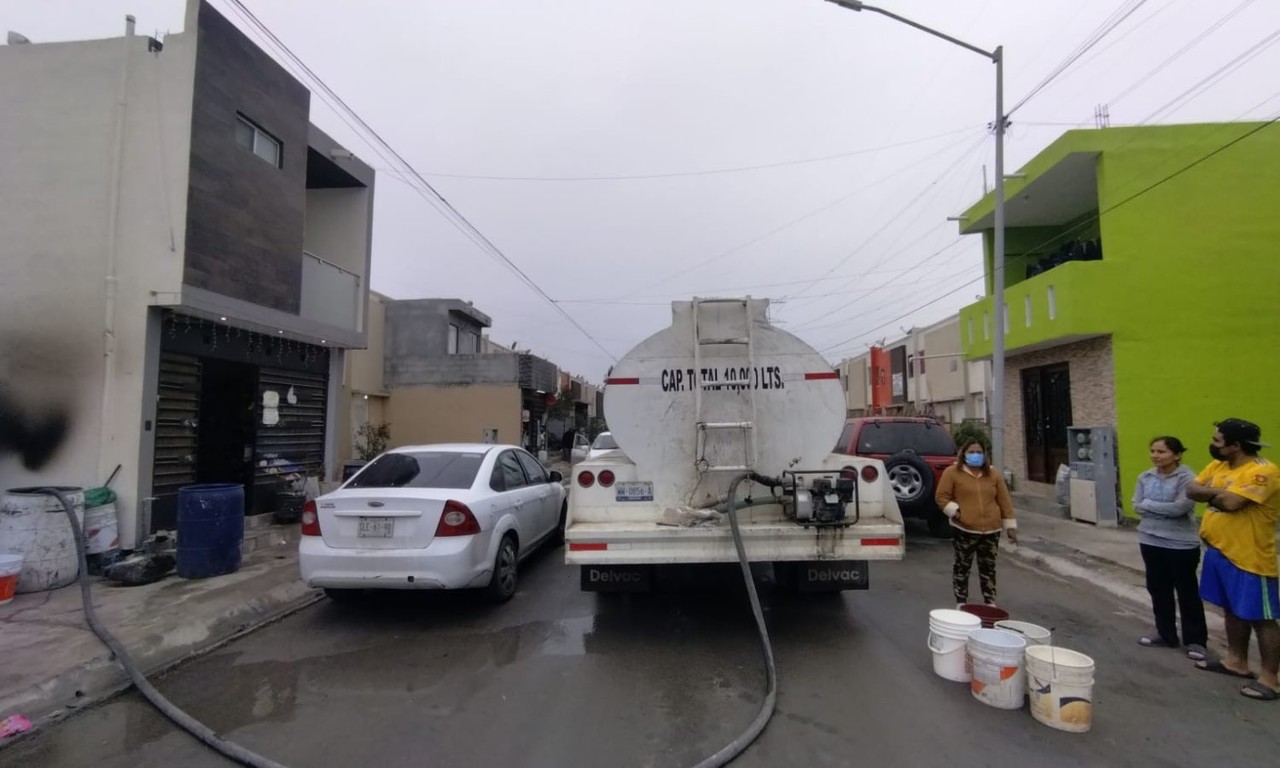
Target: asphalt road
x,y
562,678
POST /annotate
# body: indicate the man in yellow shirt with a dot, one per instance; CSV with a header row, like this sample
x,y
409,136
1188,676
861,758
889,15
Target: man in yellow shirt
x,y
1239,575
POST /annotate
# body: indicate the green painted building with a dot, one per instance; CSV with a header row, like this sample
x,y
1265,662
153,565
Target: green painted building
x,y
1142,288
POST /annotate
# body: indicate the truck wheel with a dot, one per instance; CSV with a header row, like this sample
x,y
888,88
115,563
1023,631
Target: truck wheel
x,y
911,479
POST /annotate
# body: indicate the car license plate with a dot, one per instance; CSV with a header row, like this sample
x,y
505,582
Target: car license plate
x,y
377,527
635,491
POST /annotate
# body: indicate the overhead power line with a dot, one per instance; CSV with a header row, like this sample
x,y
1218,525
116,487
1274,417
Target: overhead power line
x,y
1110,23
805,217
708,171
423,187
1180,52
1090,220
1195,91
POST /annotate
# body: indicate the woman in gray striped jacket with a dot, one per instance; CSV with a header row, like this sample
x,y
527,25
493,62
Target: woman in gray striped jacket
x,y
1170,540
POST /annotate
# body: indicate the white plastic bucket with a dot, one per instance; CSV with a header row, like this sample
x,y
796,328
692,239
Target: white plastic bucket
x,y
1060,686
10,567
948,636
999,675
1035,634
101,529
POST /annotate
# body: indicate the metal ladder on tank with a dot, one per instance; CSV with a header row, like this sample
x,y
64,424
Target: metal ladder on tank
x,y
747,429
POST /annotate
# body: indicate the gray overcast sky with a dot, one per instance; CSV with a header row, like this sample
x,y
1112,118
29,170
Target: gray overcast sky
x,y
573,88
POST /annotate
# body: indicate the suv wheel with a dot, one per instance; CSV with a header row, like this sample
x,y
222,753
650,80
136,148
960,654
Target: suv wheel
x,y
912,481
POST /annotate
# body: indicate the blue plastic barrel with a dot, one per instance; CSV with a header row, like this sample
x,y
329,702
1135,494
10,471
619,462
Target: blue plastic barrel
x,y
210,529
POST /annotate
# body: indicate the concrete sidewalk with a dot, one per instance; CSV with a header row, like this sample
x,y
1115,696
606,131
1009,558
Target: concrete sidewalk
x,y
1108,558
54,665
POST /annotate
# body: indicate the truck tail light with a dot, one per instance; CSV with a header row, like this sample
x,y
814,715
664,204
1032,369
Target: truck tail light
x,y
310,519
606,478
457,520
870,474
586,479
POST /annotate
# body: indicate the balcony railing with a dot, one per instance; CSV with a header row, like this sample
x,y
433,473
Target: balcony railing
x,y
330,294
1059,305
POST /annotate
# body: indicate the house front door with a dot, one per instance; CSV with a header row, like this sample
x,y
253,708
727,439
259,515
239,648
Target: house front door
x,y
1046,414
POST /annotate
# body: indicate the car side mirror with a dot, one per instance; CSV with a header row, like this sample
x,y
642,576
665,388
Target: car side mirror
x,y
555,477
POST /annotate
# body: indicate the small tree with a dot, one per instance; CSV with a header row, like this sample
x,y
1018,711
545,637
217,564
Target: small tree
x,y
372,440
971,432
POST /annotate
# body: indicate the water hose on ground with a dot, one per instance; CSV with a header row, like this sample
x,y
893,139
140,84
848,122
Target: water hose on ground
x,y
739,745
184,721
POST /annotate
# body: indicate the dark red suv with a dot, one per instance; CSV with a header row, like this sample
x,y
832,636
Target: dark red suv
x,y
914,450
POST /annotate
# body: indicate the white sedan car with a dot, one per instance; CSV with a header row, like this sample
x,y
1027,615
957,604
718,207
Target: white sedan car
x,y
432,517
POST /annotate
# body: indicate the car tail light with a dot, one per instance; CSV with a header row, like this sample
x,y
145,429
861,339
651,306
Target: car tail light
x,y
606,478
870,473
586,479
310,519
457,520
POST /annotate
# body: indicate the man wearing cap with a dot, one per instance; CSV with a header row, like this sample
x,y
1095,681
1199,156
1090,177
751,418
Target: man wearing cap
x,y
1242,490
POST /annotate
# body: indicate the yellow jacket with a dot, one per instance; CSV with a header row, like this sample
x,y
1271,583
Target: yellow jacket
x,y
977,503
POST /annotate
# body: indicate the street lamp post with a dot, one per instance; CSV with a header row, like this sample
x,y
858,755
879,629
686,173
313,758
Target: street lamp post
x,y
996,406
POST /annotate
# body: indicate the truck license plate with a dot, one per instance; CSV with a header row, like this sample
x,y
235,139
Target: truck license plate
x,y
377,527
635,491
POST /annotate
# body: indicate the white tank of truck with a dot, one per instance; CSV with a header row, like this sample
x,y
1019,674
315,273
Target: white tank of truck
x,y
720,393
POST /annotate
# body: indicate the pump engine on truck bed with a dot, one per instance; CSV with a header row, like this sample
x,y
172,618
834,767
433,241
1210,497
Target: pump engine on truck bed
x,y
719,394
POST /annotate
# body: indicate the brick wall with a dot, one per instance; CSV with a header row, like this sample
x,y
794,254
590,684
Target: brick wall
x,y
1093,391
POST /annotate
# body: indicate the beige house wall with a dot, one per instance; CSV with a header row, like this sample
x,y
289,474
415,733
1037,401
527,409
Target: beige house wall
x,y
441,414
1093,392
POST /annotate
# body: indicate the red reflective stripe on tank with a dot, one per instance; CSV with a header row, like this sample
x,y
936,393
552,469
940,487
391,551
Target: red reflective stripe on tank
x,y
616,382
587,546
823,375
879,542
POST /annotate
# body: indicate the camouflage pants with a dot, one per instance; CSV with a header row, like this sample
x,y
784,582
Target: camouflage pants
x,y
985,546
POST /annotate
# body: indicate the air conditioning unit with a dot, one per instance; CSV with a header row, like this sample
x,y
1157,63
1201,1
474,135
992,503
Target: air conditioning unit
x,y
1093,482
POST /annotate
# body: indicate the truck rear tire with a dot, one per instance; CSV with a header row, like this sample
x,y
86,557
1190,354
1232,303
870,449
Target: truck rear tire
x,y
939,525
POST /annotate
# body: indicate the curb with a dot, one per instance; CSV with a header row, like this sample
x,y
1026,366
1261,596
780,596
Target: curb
x,y
1110,578
93,682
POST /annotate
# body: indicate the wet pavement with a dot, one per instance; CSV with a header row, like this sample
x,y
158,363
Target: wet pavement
x,y
562,678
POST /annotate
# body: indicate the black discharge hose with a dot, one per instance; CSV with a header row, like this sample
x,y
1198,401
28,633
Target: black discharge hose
x,y
181,719
733,749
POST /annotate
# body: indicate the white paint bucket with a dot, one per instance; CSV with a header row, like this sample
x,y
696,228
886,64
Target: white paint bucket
x,y
1060,685
948,635
101,529
35,524
1035,634
999,675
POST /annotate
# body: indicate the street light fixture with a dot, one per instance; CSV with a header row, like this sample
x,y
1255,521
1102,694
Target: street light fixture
x,y
996,406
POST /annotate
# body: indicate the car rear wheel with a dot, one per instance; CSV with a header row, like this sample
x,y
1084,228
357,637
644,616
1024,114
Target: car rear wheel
x,y
505,571
912,481
557,536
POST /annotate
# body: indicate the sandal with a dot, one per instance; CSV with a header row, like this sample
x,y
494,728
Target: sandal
x,y
1197,652
1216,665
1259,692
1155,641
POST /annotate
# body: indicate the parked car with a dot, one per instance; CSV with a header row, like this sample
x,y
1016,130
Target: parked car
x,y
915,451
433,517
603,445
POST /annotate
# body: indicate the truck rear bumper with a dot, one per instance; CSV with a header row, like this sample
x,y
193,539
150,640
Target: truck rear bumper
x,y
639,543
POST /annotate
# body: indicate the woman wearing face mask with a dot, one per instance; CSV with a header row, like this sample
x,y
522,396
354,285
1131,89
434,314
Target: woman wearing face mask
x,y
1169,537
973,495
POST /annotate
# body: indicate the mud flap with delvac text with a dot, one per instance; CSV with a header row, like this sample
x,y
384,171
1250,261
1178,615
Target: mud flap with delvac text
x,y
832,575
617,578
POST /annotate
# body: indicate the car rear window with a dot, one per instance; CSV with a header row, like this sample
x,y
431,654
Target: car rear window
x,y
889,437
604,442
420,470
